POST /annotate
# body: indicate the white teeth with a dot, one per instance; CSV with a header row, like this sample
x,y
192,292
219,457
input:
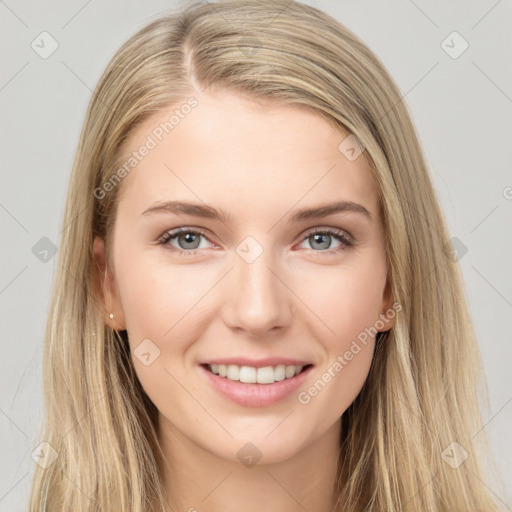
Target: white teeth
x,y
247,374
233,372
250,374
280,372
265,375
290,372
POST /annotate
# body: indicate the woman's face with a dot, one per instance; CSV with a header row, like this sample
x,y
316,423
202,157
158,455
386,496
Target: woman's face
x,y
259,277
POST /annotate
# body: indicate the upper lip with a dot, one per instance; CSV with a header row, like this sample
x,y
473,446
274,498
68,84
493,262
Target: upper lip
x,y
258,363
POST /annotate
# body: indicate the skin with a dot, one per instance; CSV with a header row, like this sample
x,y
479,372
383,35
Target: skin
x,y
258,163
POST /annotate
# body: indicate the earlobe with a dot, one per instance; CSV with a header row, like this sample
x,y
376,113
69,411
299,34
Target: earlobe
x,y
106,288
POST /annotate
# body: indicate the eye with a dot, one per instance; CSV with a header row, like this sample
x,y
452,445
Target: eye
x,y
321,239
188,240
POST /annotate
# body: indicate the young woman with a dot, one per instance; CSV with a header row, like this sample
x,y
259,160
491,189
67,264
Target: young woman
x,y
256,307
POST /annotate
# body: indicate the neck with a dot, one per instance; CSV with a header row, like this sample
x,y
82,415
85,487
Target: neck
x,y
196,479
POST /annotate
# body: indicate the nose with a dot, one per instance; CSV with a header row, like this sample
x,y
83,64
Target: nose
x,y
258,300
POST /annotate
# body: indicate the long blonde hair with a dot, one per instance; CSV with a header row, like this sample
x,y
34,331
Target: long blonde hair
x,y
422,392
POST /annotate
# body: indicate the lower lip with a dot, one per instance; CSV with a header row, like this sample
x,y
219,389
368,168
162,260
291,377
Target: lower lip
x,y
255,395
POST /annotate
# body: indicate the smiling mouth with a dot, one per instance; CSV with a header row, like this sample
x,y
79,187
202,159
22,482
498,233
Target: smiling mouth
x,y
253,375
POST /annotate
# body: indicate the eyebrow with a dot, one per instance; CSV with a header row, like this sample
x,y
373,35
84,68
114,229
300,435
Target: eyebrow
x,y
208,212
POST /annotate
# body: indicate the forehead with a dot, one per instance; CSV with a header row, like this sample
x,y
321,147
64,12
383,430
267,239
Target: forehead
x,y
246,155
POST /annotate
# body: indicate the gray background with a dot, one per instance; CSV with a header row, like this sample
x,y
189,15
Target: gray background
x,y
461,107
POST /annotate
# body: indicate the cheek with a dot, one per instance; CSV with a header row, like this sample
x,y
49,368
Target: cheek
x,y
345,300
161,307
348,304
157,299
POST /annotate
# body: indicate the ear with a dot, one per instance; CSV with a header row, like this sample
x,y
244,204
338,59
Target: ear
x,y
107,289
388,312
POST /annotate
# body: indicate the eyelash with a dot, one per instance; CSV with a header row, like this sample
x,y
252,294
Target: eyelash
x,y
346,242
